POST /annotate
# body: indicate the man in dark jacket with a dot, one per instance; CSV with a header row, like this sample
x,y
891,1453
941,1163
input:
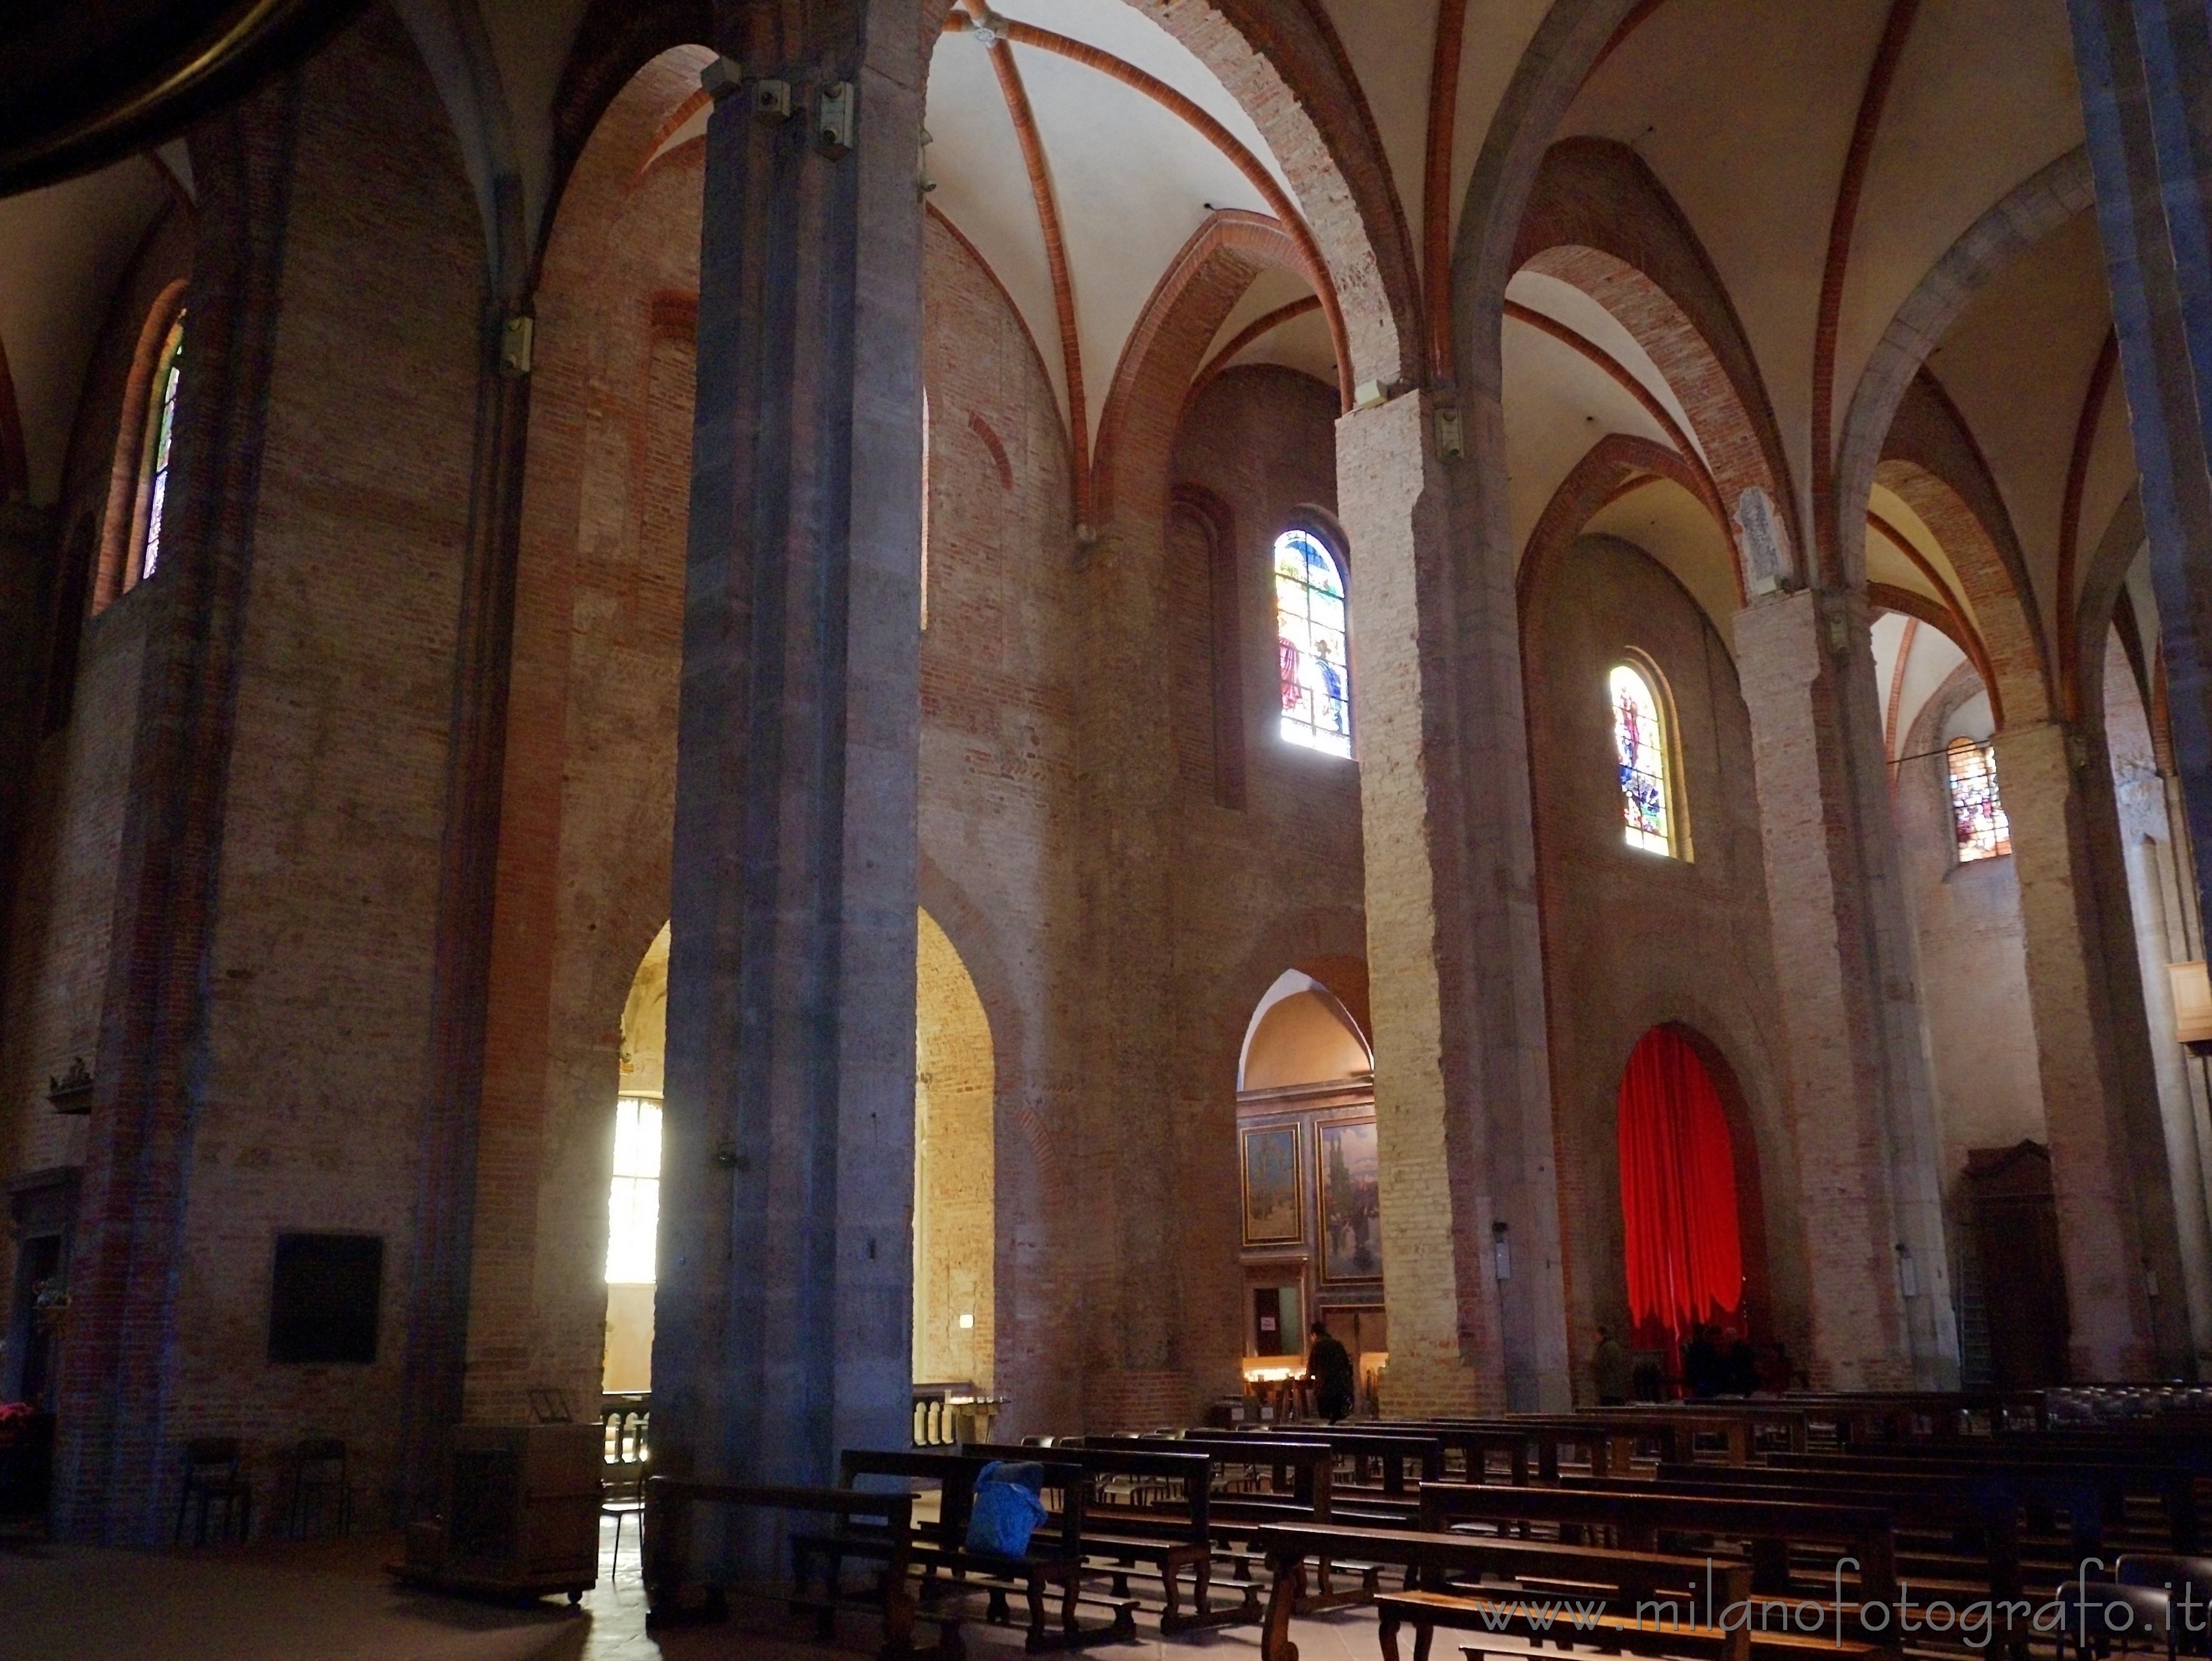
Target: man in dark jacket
x,y
1328,1367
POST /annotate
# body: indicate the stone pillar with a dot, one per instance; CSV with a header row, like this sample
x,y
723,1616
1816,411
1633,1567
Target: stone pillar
x,y
782,1322
2108,1152
2143,66
1454,955
1868,1154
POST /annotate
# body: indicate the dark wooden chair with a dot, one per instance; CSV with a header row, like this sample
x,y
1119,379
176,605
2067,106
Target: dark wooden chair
x,y
213,1477
322,1489
626,1421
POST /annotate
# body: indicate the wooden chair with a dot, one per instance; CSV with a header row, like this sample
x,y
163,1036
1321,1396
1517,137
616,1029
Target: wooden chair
x,y
322,1487
212,1478
626,1423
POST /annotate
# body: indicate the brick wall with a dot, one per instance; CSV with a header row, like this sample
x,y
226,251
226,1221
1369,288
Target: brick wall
x,y
998,781
1633,939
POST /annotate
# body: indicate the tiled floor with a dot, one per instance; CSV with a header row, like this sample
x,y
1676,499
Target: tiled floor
x,y
333,1601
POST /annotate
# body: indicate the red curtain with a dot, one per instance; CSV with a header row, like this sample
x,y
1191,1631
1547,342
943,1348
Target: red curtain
x,y
1677,1193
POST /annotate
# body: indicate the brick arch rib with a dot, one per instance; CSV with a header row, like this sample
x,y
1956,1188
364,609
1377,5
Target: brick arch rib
x,y
1186,309
1258,328
1599,220
1843,223
2023,217
1047,201
1937,616
1311,262
1931,463
1616,462
2070,518
1970,638
1282,61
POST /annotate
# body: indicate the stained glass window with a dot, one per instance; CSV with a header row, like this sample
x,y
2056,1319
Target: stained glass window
x,y
1976,808
1640,737
157,447
1315,659
634,1202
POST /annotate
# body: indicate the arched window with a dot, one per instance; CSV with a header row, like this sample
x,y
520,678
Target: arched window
x,y
634,1200
160,424
1313,651
1976,808
1640,738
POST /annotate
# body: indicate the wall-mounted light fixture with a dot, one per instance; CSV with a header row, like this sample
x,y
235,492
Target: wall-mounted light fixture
x,y
1908,1277
1501,1251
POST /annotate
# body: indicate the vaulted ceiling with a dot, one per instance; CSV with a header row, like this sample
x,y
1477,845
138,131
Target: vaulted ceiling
x,y
1825,156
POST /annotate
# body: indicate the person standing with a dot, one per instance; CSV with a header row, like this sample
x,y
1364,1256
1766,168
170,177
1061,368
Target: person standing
x,y
1611,1370
1329,1368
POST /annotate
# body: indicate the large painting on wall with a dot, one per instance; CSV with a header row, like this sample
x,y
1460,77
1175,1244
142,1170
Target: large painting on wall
x,y
1351,1203
1272,1213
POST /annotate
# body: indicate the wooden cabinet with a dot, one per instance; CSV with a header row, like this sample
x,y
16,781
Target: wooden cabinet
x,y
522,1516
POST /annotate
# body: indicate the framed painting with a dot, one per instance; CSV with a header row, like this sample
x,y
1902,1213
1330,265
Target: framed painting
x,y
1351,1186
1273,1210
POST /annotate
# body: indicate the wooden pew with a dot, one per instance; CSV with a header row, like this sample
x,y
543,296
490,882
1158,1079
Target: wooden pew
x,y
1648,1521
1401,1457
1609,1445
1578,1575
1054,1562
1301,1489
1975,1525
1175,1539
668,1501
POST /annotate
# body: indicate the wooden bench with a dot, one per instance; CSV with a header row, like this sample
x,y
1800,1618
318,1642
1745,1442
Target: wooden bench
x,y
1548,1576
1173,1535
1300,1478
1643,1520
1399,1458
670,1598
948,1569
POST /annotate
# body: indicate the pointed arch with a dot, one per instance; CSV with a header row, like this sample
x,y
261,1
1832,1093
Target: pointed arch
x,y
1186,309
126,520
1599,219
1930,461
2030,212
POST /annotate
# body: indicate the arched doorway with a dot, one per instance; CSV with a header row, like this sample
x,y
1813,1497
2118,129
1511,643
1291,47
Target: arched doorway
x,y
955,1175
1692,1244
1309,1186
634,1188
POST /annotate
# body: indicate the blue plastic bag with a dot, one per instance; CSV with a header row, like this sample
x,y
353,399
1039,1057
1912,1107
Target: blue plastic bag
x,y
1007,1509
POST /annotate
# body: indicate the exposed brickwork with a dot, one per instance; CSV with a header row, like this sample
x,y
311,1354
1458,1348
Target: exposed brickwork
x,y
589,808
998,783
319,1030
1599,219
1862,1133
1973,968
1445,1325
955,1171
1633,939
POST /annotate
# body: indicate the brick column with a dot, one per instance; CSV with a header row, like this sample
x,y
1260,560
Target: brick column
x,y
2143,65
2108,1153
1125,754
111,1465
783,1315
1456,960
1868,1155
